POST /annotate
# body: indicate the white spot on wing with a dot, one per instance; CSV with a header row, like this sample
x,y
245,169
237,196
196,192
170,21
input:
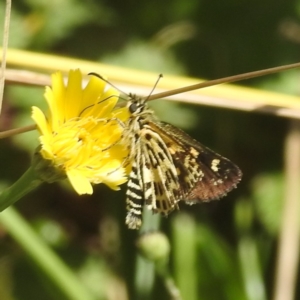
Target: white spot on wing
x,y
214,165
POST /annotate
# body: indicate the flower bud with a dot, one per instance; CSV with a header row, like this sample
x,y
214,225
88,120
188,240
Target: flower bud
x,y
154,246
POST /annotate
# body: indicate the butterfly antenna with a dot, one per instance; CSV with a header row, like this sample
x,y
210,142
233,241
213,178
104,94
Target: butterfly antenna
x,y
155,85
105,80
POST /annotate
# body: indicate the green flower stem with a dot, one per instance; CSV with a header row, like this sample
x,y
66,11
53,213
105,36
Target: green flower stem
x,y
144,278
145,269
251,269
184,233
28,182
154,246
248,254
43,256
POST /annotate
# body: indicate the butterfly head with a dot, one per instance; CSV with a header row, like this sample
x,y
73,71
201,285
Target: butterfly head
x,y
137,106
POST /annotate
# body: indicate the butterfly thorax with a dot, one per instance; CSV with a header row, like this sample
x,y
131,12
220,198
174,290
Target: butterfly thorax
x,y
136,126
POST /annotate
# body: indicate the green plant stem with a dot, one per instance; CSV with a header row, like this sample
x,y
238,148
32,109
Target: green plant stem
x,y
184,232
20,188
43,256
145,270
251,269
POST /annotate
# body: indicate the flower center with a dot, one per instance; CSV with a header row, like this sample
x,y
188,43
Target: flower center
x,y
79,139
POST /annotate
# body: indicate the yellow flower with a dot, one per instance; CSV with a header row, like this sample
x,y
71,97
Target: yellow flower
x,y
81,133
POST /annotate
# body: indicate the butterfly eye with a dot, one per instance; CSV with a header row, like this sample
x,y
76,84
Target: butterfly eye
x,y
133,107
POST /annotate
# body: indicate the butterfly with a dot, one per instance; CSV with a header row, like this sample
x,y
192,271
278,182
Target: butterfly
x,y
168,166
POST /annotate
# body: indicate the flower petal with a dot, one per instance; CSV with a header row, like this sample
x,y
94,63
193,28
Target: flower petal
x,y
80,183
40,120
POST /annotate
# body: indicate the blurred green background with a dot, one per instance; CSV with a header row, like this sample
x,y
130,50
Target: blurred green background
x,y
221,250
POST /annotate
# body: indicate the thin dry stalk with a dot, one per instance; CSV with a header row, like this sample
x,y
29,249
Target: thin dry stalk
x,y
289,238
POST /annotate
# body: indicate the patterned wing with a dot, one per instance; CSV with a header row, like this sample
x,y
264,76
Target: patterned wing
x,y
170,166
159,176
218,174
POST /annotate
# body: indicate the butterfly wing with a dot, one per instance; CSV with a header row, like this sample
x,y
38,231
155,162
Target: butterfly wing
x,y
153,180
218,174
169,166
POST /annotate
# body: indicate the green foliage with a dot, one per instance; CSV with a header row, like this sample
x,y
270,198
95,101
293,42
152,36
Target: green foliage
x,y
218,250
268,199
218,260
144,56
